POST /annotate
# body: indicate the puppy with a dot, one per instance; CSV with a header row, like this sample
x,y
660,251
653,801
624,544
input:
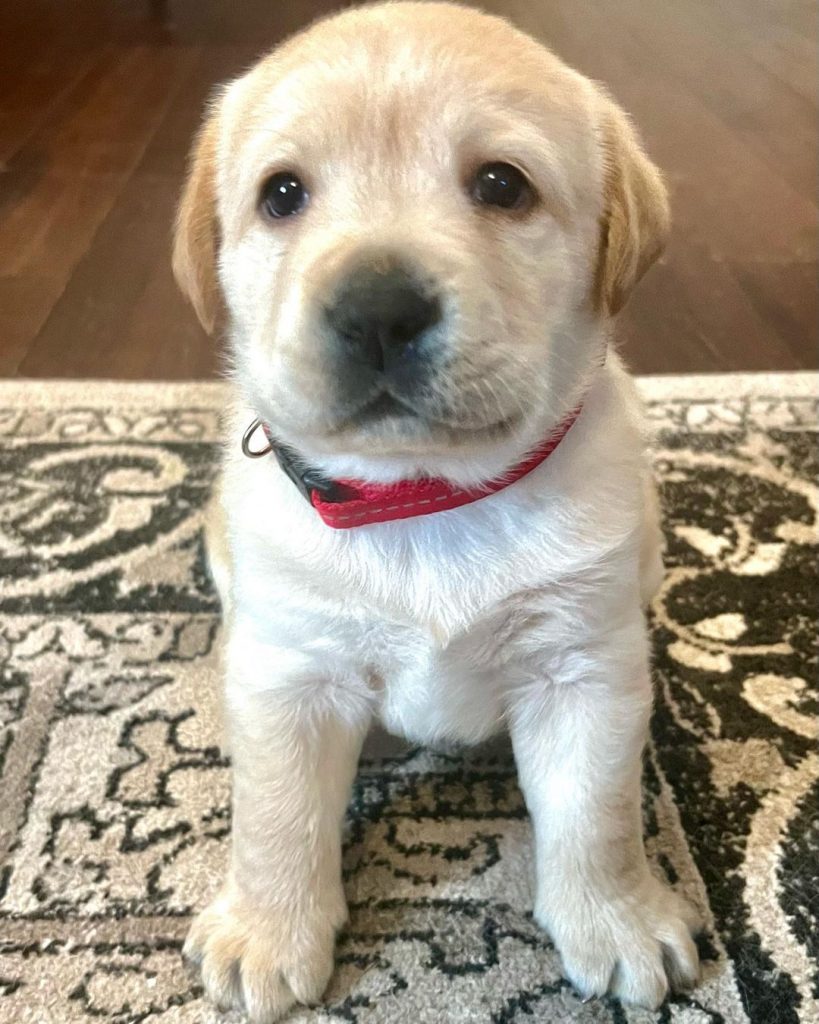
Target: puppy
x,y
416,225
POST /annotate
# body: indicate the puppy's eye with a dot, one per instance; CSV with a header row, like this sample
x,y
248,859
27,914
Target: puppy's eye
x,y
500,184
283,195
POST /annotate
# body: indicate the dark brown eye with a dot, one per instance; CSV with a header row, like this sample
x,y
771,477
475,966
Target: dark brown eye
x,y
283,195
500,184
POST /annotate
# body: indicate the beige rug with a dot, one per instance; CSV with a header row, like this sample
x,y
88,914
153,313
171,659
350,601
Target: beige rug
x,y
114,794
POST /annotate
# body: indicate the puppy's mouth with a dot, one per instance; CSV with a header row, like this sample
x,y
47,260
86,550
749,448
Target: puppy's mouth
x,y
388,416
384,407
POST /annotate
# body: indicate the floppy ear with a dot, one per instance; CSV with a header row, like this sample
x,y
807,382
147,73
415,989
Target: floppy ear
x,y
196,239
636,215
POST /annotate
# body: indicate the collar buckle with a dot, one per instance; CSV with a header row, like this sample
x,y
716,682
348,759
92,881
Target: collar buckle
x,y
306,478
303,476
288,461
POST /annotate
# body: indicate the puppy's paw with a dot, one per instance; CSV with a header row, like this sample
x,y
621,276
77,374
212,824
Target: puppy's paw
x,y
638,948
259,963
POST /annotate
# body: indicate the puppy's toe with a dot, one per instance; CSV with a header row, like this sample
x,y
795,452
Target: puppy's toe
x,y
639,979
590,971
681,964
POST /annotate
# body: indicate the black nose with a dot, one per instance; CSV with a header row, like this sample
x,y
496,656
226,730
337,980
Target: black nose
x,y
377,315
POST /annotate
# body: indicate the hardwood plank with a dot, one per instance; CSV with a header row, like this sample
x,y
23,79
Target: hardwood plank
x,y
60,187
766,115
785,296
128,311
693,311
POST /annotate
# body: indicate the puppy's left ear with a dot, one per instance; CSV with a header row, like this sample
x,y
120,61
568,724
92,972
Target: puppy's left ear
x,y
196,240
636,215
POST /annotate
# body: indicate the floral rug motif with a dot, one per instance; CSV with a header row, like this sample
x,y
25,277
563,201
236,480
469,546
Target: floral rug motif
x,y
114,792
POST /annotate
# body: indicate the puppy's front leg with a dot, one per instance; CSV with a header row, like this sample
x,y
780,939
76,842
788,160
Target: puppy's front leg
x,y
295,735
578,738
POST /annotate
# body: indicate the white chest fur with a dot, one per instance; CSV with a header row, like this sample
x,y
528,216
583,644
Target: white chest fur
x,y
438,616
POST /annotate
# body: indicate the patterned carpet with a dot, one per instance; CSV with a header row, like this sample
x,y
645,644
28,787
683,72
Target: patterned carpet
x,y
114,793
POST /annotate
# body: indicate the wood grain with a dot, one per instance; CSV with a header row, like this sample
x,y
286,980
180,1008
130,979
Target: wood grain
x,y
99,100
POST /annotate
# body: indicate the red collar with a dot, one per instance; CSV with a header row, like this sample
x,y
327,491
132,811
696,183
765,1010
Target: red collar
x,y
343,504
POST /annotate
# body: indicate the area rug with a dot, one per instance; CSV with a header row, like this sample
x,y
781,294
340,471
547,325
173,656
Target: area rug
x,y
114,791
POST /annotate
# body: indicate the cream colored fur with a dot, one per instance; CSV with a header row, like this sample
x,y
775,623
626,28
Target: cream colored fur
x,y
523,610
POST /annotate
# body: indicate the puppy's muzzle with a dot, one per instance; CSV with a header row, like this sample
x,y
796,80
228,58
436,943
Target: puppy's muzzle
x,y
382,319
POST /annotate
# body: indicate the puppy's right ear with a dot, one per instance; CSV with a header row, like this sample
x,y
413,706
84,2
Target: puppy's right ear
x,y
196,239
635,218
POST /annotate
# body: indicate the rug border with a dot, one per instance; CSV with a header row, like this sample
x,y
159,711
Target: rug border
x,y
101,393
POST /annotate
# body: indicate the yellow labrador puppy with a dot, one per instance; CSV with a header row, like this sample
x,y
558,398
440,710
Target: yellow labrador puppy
x,y
416,225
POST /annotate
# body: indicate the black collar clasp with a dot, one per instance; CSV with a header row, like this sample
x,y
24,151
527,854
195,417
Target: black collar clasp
x,y
306,478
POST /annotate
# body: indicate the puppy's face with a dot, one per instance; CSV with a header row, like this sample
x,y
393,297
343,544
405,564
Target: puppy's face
x,y
414,218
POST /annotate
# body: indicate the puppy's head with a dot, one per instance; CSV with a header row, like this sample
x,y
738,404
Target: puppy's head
x,y
414,219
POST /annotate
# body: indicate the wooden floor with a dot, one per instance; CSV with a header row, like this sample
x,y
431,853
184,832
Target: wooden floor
x,y
99,99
